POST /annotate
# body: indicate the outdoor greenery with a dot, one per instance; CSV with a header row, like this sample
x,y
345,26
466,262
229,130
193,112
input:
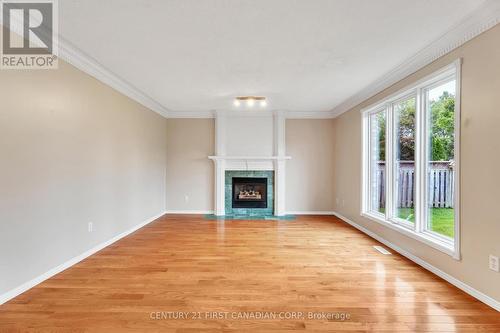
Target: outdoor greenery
x,y
441,219
406,129
442,129
441,138
443,125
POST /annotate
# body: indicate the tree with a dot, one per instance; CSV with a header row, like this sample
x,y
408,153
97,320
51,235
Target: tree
x,y
442,137
443,128
406,130
381,136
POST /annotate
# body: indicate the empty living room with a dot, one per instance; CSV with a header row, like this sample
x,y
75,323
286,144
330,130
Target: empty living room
x,y
249,166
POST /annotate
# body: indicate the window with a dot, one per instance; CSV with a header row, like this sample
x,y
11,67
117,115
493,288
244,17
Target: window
x,y
404,160
440,158
410,162
377,162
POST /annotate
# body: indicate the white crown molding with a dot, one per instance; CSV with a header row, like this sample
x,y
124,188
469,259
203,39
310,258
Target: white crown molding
x,y
79,59
191,114
68,52
495,304
310,114
87,64
250,113
479,21
482,19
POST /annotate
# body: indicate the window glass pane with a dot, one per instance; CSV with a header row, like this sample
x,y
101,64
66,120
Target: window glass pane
x,y
404,189
440,111
377,163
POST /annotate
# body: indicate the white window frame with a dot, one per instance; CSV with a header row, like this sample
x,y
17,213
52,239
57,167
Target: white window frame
x,y
419,230
412,93
370,160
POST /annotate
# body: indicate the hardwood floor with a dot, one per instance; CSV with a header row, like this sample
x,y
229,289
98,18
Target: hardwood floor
x,y
246,268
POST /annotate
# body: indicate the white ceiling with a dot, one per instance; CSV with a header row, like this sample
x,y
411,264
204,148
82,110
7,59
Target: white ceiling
x,y
304,55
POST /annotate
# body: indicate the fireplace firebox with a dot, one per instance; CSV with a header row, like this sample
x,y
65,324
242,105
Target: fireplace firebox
x,y
249,192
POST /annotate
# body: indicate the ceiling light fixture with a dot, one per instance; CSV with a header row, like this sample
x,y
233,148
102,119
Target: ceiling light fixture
x,y
250,101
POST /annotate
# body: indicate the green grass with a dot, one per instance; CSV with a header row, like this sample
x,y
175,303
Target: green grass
x,y
441,219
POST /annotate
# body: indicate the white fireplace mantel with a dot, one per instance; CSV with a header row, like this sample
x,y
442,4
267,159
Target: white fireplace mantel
x,y
249,162
276,161
250,158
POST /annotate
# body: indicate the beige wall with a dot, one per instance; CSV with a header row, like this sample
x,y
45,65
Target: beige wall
x,y
72,151
190,174
309,174
480,158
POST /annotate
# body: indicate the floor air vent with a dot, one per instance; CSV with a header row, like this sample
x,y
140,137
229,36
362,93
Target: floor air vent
x,y
381,249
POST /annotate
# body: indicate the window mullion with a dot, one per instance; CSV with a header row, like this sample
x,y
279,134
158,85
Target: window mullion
x,y
367,188
389,181
458,103
420,163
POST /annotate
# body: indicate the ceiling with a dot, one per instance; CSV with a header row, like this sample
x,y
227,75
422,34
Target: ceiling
x,y
307,56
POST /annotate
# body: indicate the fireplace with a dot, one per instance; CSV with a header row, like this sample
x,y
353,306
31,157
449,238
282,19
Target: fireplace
x,y
249,192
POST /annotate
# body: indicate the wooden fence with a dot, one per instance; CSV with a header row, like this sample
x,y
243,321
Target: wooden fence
x,y
441,183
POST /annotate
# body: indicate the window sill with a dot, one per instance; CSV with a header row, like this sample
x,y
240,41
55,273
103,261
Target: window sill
x,y
426,238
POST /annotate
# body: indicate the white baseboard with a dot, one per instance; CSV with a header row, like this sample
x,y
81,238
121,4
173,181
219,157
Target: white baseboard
x,y
459,284
190,212
311,212
30,284
495,304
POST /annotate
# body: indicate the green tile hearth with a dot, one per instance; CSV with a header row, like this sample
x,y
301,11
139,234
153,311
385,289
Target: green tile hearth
x,y
251,217
249,212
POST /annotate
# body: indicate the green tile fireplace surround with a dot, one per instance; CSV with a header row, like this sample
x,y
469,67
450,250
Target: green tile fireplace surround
x,y
250,212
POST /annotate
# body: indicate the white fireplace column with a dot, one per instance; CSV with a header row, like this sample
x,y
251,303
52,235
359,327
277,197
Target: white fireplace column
x,y
220,189
279,164
220,165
